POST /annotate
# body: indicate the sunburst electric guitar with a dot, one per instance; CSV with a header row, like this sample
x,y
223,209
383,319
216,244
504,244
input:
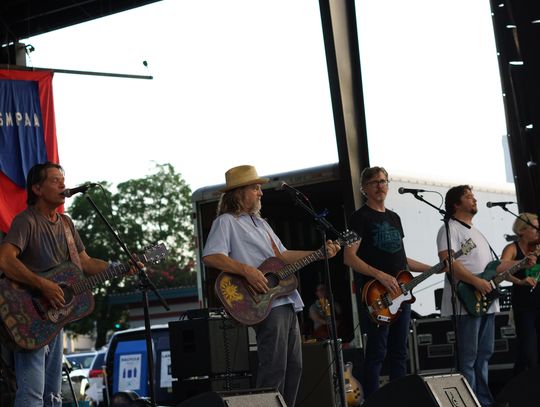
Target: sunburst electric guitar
x,y
383,307
248,306
27,319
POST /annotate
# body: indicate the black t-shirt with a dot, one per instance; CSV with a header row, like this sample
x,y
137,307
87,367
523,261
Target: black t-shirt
x,y
522,295
382,240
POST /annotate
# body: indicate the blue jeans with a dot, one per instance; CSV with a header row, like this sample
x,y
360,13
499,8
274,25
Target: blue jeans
x,y
39,375
383,340
476,343
279,350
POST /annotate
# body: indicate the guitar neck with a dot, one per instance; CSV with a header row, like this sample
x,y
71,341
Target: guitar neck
x,y
435,269
499,277
89,283
292,268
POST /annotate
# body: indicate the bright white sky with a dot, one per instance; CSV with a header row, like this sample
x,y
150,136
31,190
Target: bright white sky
x,y
245,81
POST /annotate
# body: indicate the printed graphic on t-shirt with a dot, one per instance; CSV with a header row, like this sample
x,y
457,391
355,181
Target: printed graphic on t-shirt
x,y
386,238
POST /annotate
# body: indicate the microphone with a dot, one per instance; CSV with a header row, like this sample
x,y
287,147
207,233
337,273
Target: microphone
x,y
286,187
402,190
293,192
69,192
492,204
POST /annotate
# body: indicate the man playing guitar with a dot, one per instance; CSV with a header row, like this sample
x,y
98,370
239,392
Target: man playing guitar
x,y
37,241
238,242
475,334
380,255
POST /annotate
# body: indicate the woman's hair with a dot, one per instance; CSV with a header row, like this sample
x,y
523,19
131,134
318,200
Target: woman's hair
x,y
453,198
36,176
521,222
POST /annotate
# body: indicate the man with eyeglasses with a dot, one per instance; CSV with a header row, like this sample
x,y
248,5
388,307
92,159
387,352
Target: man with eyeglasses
x,y
380,255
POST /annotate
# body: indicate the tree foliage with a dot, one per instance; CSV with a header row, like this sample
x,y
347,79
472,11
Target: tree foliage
x,y
144,211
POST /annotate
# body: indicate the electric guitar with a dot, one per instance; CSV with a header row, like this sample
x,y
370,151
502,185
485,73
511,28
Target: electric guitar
x,y
248,306
476,303
353,388
323,331
28,321
383,307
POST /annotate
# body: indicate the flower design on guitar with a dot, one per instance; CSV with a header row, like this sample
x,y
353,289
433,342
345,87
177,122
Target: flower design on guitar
x,y
230,291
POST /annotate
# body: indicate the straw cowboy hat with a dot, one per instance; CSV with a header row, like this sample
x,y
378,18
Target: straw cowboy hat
x,y
241,176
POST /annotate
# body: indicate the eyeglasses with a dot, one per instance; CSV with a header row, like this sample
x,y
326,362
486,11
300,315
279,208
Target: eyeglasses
x,y
381,182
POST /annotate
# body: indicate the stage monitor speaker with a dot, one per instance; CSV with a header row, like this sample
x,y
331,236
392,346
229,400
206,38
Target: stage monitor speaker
x,y
208,347
429,391
521,391
251,398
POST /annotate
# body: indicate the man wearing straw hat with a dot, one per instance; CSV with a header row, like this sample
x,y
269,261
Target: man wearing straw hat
x,y
239,241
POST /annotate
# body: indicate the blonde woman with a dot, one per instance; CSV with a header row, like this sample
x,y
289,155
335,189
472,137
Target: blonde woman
x,y
525,294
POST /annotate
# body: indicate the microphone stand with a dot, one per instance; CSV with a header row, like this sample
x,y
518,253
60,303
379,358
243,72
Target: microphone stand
x,y
524,219
450,260
144,284
323,225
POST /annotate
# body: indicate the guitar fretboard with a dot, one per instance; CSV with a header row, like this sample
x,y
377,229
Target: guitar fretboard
x,y
465,248
292,268
89,283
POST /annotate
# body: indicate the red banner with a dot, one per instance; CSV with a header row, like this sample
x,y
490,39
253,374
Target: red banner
x,y
27,134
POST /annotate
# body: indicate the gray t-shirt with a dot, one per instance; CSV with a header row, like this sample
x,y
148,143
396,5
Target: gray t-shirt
x,y
42,242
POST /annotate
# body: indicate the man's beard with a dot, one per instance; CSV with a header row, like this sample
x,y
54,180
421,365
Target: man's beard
x,y
256,208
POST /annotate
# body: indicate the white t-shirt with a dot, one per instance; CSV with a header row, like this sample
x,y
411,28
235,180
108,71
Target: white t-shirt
x,y
475,262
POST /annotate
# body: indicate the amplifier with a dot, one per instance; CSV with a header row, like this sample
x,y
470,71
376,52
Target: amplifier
x,y
433,345
208,347
434,340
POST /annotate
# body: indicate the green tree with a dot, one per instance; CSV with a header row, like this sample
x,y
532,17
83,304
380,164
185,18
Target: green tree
x,y
144,211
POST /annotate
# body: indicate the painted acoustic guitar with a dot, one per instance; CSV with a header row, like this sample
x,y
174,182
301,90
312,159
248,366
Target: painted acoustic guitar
x,y
29,322
383,307
476,303
249,307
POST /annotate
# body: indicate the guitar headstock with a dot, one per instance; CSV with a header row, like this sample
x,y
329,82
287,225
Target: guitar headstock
x,y
347,238
154,254
467,246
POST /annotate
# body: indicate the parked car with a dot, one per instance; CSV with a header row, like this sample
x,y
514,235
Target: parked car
x,y
81,362
77,388
96,391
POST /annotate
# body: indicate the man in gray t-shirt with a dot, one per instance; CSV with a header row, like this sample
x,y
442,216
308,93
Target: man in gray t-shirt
x,y
36,242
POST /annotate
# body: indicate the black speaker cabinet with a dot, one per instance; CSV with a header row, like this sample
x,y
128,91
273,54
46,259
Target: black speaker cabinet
x,y
252,398
208,347
317,382
521,391
429,391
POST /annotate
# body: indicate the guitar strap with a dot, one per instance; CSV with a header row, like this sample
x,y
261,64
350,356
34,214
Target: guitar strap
x,y
73,255
274,247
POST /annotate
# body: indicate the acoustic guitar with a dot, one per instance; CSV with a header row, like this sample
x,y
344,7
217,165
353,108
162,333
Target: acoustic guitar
x,y
248,306
29,322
